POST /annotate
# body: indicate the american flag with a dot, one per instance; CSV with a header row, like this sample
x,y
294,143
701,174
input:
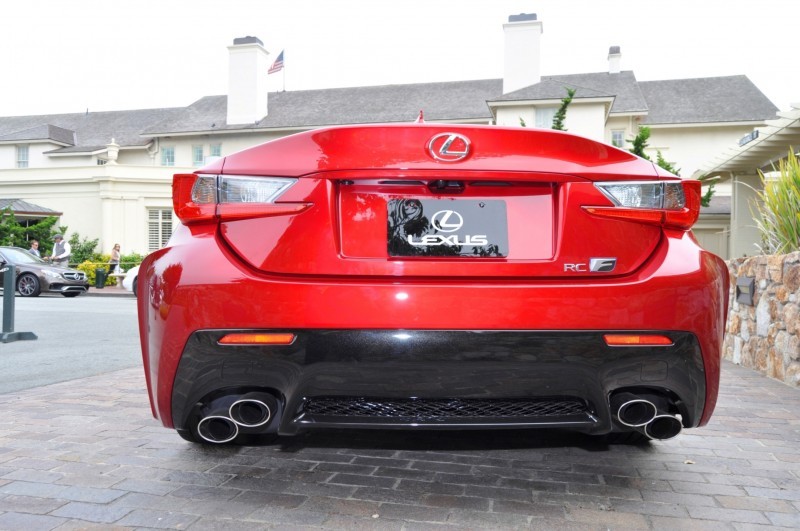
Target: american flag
x,y
277,65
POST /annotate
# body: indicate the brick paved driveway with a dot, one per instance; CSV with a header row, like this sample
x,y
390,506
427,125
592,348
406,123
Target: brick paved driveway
x,y
86,454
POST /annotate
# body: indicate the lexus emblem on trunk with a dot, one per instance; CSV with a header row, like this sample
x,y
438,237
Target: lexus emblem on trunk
x,y
449,147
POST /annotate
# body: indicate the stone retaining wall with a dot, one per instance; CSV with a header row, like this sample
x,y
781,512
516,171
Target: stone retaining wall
x,y
766,336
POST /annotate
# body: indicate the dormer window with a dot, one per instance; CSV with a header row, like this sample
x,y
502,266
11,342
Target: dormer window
x,y
22,156
168,156
197,155
544,117
618,137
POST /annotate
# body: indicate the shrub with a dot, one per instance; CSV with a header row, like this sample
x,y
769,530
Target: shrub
x,y
82,249
127,261
97,260
88,267
777,213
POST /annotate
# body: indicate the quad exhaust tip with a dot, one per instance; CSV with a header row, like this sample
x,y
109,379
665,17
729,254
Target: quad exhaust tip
x,y
663,427
637,412
224,422
645,416
217,429
250,412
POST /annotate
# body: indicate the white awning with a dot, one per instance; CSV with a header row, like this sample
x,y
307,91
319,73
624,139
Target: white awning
x,y
760,149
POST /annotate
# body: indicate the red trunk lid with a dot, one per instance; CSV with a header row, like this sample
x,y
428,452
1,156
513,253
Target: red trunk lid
x,y
388,203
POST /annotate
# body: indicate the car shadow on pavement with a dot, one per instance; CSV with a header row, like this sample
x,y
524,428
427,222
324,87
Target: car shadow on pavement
x,y
434,440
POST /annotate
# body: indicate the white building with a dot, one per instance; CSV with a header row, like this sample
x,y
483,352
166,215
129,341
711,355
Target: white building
x,y
110,173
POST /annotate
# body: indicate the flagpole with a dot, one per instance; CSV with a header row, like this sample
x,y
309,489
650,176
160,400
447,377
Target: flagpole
x,y
279,64
284,69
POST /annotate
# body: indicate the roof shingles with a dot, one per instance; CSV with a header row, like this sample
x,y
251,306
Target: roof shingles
x,y
86,132
702,100
458,100
705,100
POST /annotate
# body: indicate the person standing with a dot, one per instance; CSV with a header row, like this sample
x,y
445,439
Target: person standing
x,y
113,264
34,250
61,251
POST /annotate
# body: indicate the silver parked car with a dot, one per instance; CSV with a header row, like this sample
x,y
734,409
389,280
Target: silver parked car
x,y
35,275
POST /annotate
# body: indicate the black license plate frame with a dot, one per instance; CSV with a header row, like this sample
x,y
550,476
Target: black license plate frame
x,y
458,228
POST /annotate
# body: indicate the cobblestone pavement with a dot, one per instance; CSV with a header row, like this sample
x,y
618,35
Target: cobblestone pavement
x,y
86,454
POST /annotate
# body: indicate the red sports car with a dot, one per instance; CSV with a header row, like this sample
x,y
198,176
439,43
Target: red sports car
x,y
430,276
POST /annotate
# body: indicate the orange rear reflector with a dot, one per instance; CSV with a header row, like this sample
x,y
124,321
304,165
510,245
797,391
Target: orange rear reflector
x,y
637,340
257,339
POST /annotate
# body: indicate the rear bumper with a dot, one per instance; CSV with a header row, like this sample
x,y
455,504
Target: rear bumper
x,y
196,288
440,379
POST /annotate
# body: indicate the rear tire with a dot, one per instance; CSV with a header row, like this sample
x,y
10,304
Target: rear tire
x,y
135,287
28,285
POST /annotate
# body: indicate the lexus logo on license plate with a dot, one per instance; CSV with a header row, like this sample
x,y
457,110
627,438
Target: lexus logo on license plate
x,y
447,221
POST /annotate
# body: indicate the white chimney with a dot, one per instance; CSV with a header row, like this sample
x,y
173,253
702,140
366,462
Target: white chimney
x,y
523,34
614,59
247,81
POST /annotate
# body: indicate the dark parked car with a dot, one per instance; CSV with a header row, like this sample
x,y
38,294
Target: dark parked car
x,y
35,275
432,276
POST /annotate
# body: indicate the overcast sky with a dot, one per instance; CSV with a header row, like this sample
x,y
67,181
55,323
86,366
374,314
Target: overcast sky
x,y
62,56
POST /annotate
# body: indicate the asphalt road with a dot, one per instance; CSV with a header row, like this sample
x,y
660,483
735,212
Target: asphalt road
x,y
77,337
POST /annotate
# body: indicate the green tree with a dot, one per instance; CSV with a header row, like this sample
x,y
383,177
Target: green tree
x,y
639,142
12,232
561,113
669,166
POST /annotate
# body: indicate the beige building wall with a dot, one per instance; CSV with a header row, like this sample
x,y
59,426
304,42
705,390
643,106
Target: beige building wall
x,y
585,119
688,147
509,116
108,202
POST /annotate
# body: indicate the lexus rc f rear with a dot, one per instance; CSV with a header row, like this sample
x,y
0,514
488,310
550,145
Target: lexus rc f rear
x,y
429,276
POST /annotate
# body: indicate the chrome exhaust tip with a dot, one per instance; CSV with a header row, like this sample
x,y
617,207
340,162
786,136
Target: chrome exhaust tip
x,y
217,429
663,427
633,411
250,412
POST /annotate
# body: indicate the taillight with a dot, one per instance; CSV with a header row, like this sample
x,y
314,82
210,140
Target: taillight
x,y
671,204
199,198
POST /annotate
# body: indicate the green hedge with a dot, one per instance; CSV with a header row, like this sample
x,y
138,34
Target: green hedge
x,y
97,261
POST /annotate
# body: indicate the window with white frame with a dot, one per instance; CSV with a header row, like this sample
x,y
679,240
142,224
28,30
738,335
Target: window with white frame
x,y
215,150
22,156
168,156
197,155
544,117
618,137
159,227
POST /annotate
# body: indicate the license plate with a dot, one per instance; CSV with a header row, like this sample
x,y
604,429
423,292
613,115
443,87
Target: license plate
x,y
447,228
